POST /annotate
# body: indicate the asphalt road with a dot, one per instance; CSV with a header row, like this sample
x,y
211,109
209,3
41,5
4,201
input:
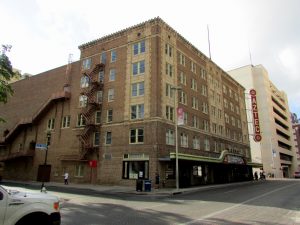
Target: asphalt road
x,y
263,202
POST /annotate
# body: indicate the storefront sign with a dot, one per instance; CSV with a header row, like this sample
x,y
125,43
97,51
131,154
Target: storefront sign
x,y
234,159
256,128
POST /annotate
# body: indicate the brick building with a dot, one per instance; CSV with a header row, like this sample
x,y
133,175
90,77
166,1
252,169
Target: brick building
x,y
110,116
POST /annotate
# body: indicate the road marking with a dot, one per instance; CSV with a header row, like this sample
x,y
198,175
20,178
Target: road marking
x,y
230,191
236,205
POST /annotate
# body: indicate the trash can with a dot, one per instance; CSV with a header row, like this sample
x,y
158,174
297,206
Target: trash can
x,y
139,185
147,184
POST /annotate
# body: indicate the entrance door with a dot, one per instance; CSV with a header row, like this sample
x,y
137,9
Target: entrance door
x,y
44,173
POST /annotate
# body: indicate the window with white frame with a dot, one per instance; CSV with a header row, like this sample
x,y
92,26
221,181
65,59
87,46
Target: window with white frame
x,y
111,94
108,138
224,89
97,117
82,101
214,127
101,76
226,118
96,138
50,124
232,121
196,142
227,133
237,110
170,137
168,50
136,136
219,113
112,74
137,111
194,84
181,59
184,140
182,78
86,63
182,97
220,129
109,115
169,91
225,103
213,111
84,81
137,89
205,107
139,47
79,170
99,96
65,123
203,74
185,118
80,120
206,144
169,69
138,68
230,93
195,122
231,107
103,57
113,55
204,90
193,67
205,125
195,104
169,113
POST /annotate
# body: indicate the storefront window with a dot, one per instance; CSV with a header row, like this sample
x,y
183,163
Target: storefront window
x,y
135,169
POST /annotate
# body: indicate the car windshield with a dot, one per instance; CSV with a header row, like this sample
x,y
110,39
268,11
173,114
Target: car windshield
x,y
10,192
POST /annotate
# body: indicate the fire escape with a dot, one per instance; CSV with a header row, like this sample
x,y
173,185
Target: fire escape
x,y
93,104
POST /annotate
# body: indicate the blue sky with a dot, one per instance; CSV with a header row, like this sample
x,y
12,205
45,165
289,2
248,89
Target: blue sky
x,y
43,33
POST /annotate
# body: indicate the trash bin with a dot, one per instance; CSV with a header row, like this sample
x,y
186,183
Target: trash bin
x,y
139,185
147,184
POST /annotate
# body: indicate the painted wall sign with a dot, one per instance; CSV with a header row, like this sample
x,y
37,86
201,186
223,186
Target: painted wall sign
x,y
256,128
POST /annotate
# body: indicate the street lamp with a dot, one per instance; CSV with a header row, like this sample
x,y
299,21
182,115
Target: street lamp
x,y
48,135
176,89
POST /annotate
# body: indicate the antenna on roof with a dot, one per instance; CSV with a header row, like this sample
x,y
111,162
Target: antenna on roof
x,y
250,57
208,41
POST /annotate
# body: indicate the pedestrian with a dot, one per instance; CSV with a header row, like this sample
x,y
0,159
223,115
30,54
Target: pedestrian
x,y
157,180
66,178
255,176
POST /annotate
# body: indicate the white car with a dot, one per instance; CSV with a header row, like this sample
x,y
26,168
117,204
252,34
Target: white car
x,y
20,208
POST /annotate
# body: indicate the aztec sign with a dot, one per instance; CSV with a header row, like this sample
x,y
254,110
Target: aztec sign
x,y
256,128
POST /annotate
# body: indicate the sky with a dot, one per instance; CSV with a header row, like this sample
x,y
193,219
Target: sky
x,y
44,32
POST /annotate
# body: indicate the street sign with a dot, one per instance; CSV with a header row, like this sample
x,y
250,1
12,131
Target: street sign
x,y
41,146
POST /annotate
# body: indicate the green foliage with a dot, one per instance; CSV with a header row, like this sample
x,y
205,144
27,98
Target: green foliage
x,y
6,74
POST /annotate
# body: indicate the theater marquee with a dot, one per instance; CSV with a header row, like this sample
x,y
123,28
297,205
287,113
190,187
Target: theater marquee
x,y
256,127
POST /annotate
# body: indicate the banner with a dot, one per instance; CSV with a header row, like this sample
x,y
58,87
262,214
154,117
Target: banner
x,y
180,116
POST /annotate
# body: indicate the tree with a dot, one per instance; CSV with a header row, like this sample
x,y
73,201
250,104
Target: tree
x,y
6,74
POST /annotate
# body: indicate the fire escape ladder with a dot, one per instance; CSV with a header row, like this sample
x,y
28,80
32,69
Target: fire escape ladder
x,y
93,94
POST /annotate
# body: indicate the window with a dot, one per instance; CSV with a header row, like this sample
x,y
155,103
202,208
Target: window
x,y
86,64
168,50
204,90
225,103
184,140
195,103
101,76
111,95
181,59
50,125
99,96
193,67
112,74
220,129
206,144
237,109
139,47
214,127
219,113
182,78
239,123
195,122
183,98
132,169
108,138
194,84
203,74
236,97
82,101
137,89
137,111
109,115
230,93
205,107
231,107
96,138
185,118
113,56
136,136
226,118
103,57
169,69
80,120
169,91
97,117
233,121
205,125
196,142
170,137
213,111
138,68
79,171
215,146
84,81
224,89
169,113
66,122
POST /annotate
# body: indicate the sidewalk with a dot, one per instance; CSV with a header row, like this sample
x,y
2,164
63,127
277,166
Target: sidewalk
x,y
106,189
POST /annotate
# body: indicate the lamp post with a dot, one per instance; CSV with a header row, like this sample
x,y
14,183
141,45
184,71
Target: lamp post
x,y
176,89
48,135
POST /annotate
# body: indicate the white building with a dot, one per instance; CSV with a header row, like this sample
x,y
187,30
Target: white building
x,y
276,149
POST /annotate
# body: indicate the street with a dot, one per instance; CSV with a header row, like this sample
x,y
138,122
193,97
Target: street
x,y
262,202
